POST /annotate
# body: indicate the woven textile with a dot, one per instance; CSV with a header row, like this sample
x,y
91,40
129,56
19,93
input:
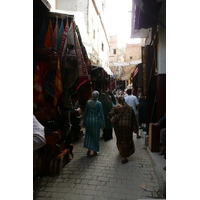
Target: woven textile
x,y
124,127
58,85
64,39
37,88
60,35
55,34
49,36
42,35
82,69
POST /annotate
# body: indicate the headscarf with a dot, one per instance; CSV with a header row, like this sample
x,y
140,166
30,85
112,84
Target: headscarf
x,y
107,106
121,100
95,95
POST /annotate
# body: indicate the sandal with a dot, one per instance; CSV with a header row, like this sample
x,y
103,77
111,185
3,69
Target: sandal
x,y
88,152
124,161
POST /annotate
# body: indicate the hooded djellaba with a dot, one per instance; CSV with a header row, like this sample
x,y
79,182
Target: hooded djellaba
x,y
107,106
124,125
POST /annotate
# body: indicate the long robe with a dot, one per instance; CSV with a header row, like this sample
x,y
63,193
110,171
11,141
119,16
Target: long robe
x,y
93,121
107,106
124,126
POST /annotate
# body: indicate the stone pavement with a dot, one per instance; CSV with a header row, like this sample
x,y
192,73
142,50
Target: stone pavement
x,y
103,177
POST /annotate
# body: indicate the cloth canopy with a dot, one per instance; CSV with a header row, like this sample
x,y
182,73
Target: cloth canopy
x,y
122,64
123,70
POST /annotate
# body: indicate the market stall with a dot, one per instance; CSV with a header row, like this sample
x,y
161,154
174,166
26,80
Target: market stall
x,y
60,74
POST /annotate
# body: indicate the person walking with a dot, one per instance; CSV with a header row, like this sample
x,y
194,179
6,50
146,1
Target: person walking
x,y
133,102
124,125
107,106
142,108
93,121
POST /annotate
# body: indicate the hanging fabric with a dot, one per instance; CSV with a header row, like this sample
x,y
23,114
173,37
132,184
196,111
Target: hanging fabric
x,y
37,88
58,85
69,58
82,69
49,36
43,73
64,38
50,84
42,35
45,50
60,34
55,34
53,57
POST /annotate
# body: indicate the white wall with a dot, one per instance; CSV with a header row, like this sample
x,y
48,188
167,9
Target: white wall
x,y
92,22
161,53
52,3
73,5
161,46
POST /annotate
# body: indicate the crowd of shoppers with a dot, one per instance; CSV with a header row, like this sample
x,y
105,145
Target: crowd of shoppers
x,y
99,113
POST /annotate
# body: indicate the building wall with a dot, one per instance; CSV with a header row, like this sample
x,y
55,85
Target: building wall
x,y
52,3
73,5
94,14
113,44
161,46
133,52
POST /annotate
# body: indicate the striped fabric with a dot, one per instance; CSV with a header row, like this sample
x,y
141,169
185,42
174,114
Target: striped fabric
x,y
60,35
49,36
37,88
58,85
55,34
64,38
93,121
42,35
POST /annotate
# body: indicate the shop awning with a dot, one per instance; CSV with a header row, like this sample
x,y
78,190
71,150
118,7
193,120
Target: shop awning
x,y
135,72
123,70
108,71
122,64
144,17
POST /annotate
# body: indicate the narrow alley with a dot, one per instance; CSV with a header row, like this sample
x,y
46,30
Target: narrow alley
x,y
103,176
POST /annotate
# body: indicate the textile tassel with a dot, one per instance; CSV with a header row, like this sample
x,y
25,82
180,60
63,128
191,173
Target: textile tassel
x,y
55,34
37,88
58,85
49,36
64,38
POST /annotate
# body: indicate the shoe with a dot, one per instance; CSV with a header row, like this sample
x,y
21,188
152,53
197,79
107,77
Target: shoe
x,y
161,153
71,147
124,161
88,152
138,137
95,153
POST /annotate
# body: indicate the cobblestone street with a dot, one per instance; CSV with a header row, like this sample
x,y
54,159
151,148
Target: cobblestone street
x,y
102,177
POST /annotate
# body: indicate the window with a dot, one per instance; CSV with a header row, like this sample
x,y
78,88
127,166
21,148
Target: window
x,y
94,34
114,51
102,47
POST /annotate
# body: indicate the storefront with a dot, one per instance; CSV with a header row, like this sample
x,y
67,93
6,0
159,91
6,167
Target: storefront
x,y
61,85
